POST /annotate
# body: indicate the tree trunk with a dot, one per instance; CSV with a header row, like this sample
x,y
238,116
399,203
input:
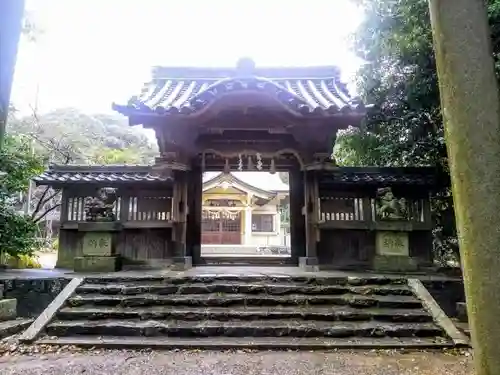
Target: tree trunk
x,y
471,110
11,15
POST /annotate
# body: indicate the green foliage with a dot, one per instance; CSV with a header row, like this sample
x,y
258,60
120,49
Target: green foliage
x,y
399,78
17,167
117,156
22,262
68,135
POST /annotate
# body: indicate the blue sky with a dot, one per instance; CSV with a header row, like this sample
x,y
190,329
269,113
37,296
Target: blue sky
x,y
94,52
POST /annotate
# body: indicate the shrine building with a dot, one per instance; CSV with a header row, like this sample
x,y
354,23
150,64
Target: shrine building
x,y
244,208
213,126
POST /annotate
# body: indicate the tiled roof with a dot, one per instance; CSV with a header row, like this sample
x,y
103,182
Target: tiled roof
x,y
314,91
75,174
420,176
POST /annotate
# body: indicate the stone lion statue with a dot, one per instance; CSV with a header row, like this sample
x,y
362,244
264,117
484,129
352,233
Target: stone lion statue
x,y
100,207
388,207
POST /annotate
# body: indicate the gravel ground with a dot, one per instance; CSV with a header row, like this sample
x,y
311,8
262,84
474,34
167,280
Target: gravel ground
x,y
100,362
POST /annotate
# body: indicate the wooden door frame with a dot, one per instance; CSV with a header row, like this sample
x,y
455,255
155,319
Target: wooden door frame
x,y
221,232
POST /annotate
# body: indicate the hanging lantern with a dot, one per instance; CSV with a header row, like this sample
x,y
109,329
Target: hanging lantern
x,y
273,167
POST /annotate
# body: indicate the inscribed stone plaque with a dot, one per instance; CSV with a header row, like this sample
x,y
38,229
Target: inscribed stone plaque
x,y
393,243
97,243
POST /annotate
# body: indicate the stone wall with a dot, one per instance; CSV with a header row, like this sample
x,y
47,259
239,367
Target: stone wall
x,y
447,294
33,295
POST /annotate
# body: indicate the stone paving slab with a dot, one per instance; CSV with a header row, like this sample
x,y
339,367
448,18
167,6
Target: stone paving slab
x,y
11,327
213,271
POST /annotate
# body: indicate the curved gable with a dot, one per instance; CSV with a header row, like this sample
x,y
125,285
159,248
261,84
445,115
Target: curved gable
x,y
236,183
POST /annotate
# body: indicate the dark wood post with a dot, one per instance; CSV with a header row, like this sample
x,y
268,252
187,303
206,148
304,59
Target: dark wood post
x,y
195,187
297,223
310,214
181,260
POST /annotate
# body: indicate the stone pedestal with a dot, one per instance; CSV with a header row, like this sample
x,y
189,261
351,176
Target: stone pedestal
x,y
98,247
8,309
309,264
393,252
182,263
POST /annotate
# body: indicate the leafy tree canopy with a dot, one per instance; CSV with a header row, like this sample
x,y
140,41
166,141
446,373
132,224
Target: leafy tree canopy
x,y
68,135
399,78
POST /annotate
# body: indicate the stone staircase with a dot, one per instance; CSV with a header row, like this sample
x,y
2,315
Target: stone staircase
x,y
229,311
462,319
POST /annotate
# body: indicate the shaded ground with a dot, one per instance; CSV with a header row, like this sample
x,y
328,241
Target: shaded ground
x,y
238,363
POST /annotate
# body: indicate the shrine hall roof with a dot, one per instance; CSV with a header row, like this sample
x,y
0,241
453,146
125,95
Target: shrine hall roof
x,y
63,175
305,91
81,174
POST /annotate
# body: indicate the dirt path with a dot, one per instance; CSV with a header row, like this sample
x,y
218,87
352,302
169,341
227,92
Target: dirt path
x,y
238,363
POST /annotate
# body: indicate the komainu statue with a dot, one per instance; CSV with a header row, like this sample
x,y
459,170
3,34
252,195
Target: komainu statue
x,y
100,207
388,207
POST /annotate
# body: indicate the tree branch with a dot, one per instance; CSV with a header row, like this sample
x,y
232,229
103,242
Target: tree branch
x,y
43,200
38,219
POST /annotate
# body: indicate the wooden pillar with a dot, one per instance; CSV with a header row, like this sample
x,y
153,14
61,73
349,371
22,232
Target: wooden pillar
x,y
181,259
297,223
11,16
195,187
310,214
470,104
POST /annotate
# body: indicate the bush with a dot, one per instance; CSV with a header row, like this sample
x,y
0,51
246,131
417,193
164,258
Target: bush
x,y
22,262
17,167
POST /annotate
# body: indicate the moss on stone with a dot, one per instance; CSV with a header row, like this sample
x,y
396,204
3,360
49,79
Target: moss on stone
x,y
471,109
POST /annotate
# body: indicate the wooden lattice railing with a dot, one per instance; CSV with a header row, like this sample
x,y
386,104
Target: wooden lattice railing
x,y
360,212
140,209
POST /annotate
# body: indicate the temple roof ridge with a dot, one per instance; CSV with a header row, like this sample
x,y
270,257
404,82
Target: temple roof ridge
x,y
252,180
270,72
304,91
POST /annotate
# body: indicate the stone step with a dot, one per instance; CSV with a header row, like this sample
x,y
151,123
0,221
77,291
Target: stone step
x,y
210,300
464,327
242,288
247,313
462,312
236,328
14,326
255,343
248,278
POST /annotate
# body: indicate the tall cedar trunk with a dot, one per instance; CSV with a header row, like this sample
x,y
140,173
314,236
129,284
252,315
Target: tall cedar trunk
x,y
471,112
